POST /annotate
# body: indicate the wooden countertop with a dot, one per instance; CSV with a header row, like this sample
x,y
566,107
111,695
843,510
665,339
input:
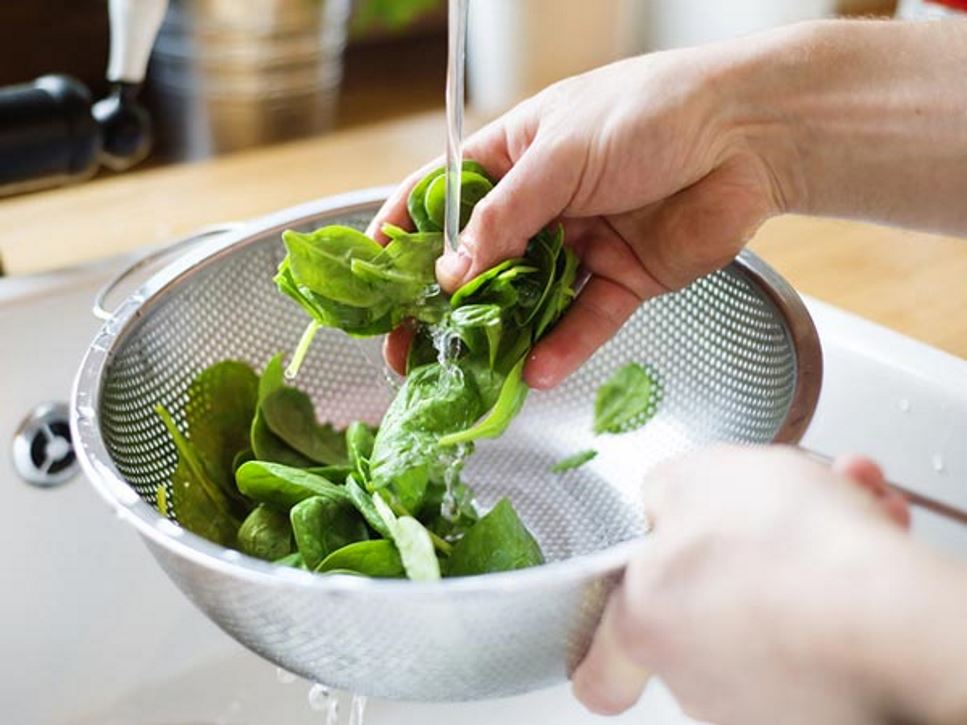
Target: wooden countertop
x,y
914,283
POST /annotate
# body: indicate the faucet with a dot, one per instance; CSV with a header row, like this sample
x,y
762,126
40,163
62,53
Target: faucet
x,y
51,131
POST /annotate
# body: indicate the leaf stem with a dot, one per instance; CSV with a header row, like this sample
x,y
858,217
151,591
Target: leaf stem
x,y
301,350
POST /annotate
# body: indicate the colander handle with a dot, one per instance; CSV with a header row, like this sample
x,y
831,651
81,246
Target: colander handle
x,y
913,498
151,260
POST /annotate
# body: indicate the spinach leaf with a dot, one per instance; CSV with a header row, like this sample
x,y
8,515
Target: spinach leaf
x,y
364,504
417,203
432,402
322,525
322,262
626,401
498,542
283,486
412,541
294,560
359,444
265,534
291,417
574,461
374,319
266,445
336,474
219,411
197,502
513,392
473,188
378,558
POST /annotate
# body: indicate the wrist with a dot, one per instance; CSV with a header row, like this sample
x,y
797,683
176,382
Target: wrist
x,y
856,119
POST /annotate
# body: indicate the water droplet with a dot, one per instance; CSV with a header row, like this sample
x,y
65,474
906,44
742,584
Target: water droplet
x,y
904,405
332,712
938,463
319,697
357,710
284,676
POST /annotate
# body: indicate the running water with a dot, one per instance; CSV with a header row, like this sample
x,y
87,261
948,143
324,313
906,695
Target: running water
x,y
446,343
456,63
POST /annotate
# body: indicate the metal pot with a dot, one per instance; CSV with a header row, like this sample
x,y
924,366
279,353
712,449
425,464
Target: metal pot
x,y
229,75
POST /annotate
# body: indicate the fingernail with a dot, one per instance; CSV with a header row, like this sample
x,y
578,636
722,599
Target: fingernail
x,y
452,268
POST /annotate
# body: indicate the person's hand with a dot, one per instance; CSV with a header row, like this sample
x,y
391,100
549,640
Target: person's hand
x,y
773,590
661,167
643,161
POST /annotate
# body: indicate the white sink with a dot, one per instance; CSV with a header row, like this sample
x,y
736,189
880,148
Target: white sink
x,y
93,632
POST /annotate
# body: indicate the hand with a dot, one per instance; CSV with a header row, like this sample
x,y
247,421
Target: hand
x,y
661,167
640,160
771,590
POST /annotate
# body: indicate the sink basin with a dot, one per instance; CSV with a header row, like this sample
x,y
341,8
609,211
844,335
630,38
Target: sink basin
x,y
93,631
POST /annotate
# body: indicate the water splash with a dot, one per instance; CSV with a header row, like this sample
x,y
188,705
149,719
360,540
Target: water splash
x,y
904,405
320,697
938,464
357,710
453,462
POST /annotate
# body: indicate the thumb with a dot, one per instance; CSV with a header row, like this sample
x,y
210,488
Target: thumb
x,y
533,193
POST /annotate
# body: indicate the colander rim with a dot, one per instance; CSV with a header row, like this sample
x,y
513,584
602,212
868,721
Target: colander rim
x,y
129,506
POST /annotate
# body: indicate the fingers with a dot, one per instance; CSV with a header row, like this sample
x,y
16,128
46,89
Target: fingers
x,y
868,476
598,312
608,681
533,193
396,347
699,229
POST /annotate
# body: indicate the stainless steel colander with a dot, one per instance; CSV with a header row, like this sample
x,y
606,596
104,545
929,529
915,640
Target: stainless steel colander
x,y
738,358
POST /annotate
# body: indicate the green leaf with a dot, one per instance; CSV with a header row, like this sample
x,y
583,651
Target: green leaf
x,y
322,525
322,262
626,401
406,454
574,461
375,319
283,486
364,504
294,560
198,503
219,411
290,416
196,511
360,439
416,203
413,543
511,399
336,474
473,188
266,445
377,558
265,534
498,542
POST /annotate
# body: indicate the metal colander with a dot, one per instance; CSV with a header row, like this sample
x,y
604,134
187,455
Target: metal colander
x,y
738,359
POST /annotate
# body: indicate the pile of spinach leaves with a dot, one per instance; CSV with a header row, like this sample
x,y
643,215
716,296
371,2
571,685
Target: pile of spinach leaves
x,y
257,471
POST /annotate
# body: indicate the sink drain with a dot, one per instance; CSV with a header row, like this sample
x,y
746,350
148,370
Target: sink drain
x,y
43,453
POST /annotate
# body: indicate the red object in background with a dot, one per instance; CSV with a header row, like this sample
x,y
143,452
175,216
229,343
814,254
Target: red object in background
x,y
955,4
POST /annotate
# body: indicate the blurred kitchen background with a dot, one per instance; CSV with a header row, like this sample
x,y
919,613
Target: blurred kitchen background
x,y
227,75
